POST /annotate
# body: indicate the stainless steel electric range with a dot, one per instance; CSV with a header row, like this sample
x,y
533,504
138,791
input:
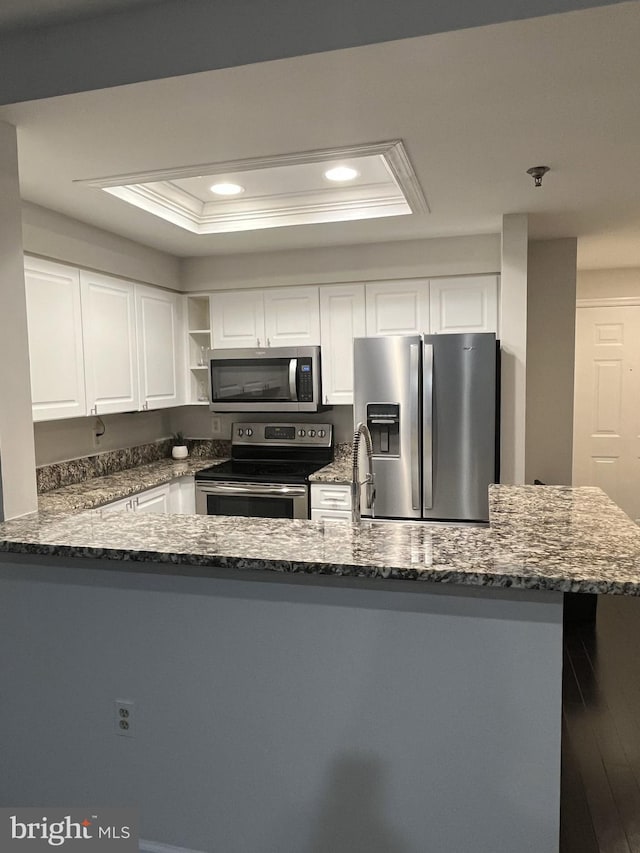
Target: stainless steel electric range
x,y
268,473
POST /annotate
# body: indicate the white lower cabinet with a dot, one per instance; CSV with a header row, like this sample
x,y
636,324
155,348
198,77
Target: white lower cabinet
x,y
177,497
154,500
330,502
123,505
330,515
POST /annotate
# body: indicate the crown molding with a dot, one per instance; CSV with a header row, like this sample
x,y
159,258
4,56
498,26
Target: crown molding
x,y
608,302
157,192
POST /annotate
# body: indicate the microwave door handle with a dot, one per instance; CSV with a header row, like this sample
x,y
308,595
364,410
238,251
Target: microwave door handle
x,y
293,376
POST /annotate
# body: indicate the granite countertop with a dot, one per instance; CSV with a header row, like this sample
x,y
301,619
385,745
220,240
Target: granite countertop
x,y
540,537
338,471
98,491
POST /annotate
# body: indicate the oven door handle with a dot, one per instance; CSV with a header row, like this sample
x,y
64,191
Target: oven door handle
x,y
256,489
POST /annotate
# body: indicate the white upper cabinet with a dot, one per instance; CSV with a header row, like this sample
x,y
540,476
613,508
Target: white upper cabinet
x,y
292,317
111,362
237,319
54,320
464,304
397,307
157,321
276,317
342,318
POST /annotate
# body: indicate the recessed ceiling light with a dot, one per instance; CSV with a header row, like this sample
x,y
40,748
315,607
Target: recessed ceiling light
x,y
341,173
227,189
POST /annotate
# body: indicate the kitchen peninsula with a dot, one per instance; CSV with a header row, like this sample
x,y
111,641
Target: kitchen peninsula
x,y
397,688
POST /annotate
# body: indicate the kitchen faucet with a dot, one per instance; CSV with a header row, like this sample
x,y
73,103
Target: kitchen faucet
x,y
362,430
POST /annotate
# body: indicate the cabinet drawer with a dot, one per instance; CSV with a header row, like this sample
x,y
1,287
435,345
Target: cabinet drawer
x,y
330,515
330,496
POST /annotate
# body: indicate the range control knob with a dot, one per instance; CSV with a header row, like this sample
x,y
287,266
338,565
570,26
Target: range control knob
x,y
322,433
301,433
312,433
249,431
240,431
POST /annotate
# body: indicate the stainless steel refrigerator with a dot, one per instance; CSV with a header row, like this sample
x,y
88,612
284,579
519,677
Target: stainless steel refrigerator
x,y
431,404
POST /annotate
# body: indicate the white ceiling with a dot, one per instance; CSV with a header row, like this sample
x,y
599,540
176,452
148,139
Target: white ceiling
x,y
475,108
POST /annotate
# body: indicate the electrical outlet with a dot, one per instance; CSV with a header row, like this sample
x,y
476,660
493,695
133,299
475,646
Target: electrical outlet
x,y
215,426
98,432
125,717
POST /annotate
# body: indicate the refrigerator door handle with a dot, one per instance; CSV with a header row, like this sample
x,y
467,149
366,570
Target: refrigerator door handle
x,y
427,426
414,367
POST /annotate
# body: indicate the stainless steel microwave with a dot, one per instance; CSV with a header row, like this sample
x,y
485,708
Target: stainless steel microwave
x,y
272,379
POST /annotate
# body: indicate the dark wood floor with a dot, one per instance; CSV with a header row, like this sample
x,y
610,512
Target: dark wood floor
x,y
600,806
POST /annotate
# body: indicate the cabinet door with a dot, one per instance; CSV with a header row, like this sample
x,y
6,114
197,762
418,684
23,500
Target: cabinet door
x,y
54,321
331,496
397,307
330,515
123,505
237,319
157,324
292,317
108,319
342,318
464,304
153,500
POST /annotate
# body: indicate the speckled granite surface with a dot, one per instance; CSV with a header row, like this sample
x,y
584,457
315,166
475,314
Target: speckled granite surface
x,y
61,474
97,491
338,471
545,538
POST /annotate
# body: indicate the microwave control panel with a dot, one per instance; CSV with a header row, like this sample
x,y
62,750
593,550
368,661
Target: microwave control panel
x,y
305,380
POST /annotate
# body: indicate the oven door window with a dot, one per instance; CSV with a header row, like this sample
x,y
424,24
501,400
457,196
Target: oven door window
x,y
250,506
266,380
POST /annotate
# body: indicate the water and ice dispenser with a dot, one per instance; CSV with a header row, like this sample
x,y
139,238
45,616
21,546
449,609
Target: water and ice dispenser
x,y
383,420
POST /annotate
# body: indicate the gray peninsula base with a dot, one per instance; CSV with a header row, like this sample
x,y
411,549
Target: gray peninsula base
x,y
293,715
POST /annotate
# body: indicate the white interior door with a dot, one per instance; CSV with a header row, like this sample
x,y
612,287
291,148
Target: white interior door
x,y
606,443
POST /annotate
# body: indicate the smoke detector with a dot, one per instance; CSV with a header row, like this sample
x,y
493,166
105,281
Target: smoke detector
x,y
537,173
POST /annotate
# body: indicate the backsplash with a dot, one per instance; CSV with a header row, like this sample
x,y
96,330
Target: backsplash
x,y
60,474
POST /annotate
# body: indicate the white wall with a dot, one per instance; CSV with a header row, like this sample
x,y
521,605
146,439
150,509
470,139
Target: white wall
x,y
513,337
57,441
286,717
18,490
53,235
333,264
551,312
196,421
